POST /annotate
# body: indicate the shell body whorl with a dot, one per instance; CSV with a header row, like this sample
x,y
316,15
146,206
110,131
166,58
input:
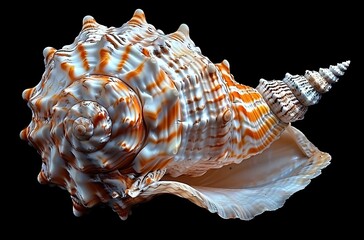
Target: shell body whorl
x,y
120,111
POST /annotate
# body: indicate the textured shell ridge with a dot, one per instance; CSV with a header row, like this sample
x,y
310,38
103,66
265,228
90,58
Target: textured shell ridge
x,y
125,113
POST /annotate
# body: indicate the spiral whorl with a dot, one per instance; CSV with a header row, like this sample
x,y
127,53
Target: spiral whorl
x,y
289,98
88,126
83,128
98,121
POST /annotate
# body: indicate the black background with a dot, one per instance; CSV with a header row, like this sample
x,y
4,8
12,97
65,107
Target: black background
x,y
259,41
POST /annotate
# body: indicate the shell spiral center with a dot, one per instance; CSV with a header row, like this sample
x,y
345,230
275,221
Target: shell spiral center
x,y
83,128
88,126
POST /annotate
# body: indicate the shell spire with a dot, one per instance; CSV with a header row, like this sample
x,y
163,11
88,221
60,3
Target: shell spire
x,y
48,53
290,97
183,28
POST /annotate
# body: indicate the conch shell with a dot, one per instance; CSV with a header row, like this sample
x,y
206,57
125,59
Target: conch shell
x,y
124,114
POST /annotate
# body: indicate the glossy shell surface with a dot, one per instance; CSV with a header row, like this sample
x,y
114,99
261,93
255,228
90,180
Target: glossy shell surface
x,y
124,114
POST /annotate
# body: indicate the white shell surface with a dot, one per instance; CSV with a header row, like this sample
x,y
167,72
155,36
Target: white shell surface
x,y
261,183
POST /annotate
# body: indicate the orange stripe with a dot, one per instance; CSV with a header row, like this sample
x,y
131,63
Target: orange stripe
x,y
256,149
234,95
166,139
216,100
50,54
178,36
60,54
255,135
38,104
153,115
104,59
27,93
215,88
224,69
250,97
167,121
90,23
242,145
71,73
121,86
124,58
170,137
137,19
70,69
261,147
157,82
98,118
83,56
254,115
135,72
220,135
227,78
172,114
146,52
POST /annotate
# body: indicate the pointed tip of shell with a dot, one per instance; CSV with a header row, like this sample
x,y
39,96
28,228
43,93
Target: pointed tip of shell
x,y
47,51
299,91
347,63
224,66
334,72
226,63
41,179
138,17
76,212
211,68
88,22
343,66
138,12
183,28
26,94
88,19
23,134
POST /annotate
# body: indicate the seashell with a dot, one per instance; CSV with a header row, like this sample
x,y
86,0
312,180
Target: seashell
x,y
124,114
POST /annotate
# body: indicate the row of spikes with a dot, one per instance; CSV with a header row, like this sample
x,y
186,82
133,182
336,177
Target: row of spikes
x,y
138,19
289,98
89,22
